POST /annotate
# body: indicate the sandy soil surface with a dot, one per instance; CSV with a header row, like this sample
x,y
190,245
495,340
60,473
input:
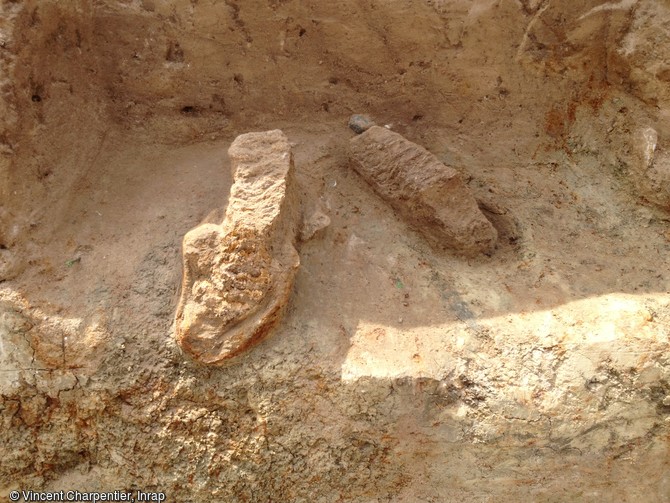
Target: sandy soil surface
x,y
399,373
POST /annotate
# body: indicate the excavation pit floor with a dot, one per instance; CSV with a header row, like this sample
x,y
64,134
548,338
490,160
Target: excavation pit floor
x,y
550,347
398,372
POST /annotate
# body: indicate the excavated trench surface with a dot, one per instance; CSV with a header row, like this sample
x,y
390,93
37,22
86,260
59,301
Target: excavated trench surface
x,y
398,373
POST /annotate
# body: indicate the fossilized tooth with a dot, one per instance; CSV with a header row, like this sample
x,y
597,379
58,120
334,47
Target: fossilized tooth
x,y
430,196
238,276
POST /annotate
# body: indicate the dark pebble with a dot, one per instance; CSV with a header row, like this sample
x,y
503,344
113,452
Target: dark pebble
x,y
360,123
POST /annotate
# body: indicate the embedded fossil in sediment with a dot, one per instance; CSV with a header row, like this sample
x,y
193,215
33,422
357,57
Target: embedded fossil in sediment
x,y
238,276
430,196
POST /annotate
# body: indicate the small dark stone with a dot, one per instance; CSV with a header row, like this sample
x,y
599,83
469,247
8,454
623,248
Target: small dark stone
x,y
360,123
